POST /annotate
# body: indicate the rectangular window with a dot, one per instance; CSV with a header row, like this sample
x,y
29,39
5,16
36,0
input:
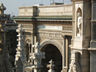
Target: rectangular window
x,y
94,31
94,11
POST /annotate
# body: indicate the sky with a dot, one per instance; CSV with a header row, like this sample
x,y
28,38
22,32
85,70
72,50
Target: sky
x,y
13,5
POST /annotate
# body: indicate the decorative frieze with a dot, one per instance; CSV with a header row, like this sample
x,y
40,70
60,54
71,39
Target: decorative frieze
x,y
50,35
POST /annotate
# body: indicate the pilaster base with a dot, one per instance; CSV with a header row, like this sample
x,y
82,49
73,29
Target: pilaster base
x,y
64,70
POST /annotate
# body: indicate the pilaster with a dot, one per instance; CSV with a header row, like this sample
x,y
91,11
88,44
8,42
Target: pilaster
x,y
81,35
92,48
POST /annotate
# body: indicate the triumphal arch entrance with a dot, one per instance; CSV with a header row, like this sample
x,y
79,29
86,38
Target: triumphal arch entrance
x,y
44,38
52,53
55,38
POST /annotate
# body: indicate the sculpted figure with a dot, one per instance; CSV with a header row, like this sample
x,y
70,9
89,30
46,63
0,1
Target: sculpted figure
x,y
79,23
74,67
51,66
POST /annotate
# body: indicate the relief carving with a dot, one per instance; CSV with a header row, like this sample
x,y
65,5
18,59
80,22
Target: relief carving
x,y
51,35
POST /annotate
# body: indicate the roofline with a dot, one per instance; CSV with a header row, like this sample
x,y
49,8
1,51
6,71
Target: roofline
x,y
45,6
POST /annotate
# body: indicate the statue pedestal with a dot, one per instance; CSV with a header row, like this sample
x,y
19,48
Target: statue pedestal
x,y
77,43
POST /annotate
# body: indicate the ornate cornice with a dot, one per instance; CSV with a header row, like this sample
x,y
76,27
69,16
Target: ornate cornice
x,y
44,18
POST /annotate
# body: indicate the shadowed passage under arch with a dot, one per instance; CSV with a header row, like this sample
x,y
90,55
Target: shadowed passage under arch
x,y
52,53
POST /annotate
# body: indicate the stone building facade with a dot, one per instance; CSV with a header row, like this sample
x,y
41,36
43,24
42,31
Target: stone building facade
x,y
57,38
7,41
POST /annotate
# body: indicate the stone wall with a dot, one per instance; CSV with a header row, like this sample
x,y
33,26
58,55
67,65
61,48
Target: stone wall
x,y
55,10
60,10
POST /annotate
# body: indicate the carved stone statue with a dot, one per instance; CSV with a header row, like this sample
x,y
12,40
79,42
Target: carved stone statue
x,y
2,8
79,23
74,67
51,66
36,57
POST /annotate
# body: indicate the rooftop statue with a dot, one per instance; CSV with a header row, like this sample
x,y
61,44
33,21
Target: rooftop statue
x,y
2,8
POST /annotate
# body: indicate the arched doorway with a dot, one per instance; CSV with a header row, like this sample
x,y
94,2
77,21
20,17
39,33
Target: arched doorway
x,y
52,53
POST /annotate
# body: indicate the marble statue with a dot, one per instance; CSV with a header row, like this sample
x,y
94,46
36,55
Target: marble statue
x,y
51,66
79,23
74,67
36,57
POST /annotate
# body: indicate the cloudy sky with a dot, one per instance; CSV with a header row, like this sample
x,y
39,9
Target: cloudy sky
x,y
12,5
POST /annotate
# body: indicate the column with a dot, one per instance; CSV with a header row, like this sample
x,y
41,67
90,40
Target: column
x,y
66,54
63,59
37,57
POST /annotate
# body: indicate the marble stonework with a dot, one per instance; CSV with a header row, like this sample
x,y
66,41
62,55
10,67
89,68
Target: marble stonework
x,y
54,38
